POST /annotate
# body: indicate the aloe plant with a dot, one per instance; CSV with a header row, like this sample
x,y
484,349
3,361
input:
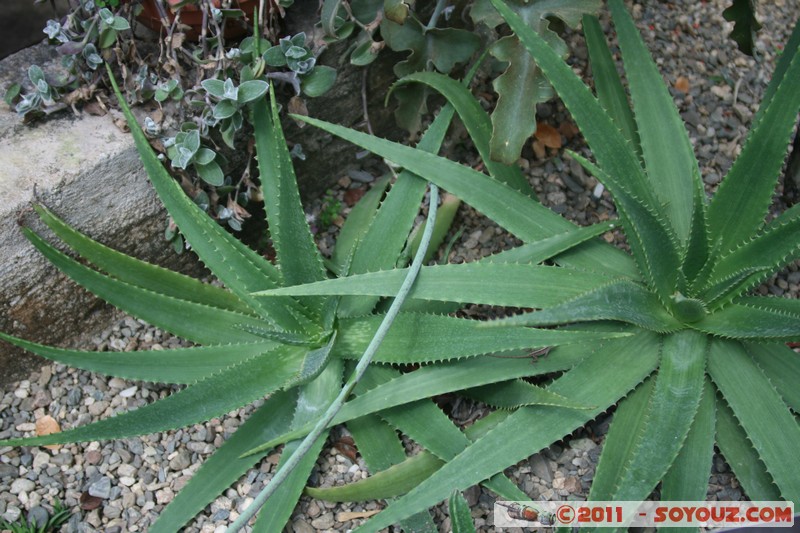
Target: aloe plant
x,y
293,351
706,362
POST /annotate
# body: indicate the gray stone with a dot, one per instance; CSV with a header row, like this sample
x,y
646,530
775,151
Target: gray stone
x,y
540,467
38,516
101,488
22,485
325,521
7,470
301,526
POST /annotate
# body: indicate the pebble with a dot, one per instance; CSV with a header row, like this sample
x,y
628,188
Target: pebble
x,y
21,485
100,488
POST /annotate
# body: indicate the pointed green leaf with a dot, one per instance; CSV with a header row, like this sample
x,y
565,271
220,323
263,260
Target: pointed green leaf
x,y
542,250
601,379
225,466
357,223
139,273
313,400
298,255
767,421
520,215
209,325
213,396
237,266
478,125
619,300
745,25
487,283
687,478
737,210
753,319
666,150
516,393
460,517
607,83
781,365
742,457
420,338
181,365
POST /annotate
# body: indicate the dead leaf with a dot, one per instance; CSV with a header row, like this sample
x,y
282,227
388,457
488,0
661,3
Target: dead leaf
x,y
345,516
347,447
539,149
297,106
177,40
351,196
549,136
45,426
568,130
89,502
94,108
682,84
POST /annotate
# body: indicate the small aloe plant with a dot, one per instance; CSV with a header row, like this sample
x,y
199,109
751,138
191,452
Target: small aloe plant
x,y
706,363
293,352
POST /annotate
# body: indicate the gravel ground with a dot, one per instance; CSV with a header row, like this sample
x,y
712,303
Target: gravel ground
x,y
123,485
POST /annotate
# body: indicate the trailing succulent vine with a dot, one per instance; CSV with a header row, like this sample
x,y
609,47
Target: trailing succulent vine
x,y
667,333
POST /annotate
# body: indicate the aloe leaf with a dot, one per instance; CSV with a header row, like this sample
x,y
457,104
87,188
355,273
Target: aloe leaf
x,y
619,300
620,443
213,396
420,338
781,365
651,239
478,124
666,150
784,61
140,273
698,246
438,379
225,466
460,517
600,379
209,325
522,216
773,248
743,459
313,399
607,83
380,447
181,365
542,250
444,219
241,269
298,255
752,320
687,478
516,393
740,380
737,210
389,483
357,223
511,284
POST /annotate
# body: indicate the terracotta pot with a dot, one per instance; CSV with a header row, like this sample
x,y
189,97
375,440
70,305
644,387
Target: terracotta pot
x,y
192,16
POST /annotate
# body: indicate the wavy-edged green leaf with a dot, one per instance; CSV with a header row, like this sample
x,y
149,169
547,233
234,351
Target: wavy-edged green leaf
x,y
516,393
687,478
181,365
624,301
225,466
666,150
140,273
601,378
626,426
241,269
396,390
357,223
421,338
742,457
607,83
488,283
522,216
745,24
298,256
753,319
773,248
209,325
738,209
781,365
478,125
542,250
213,396
313,399
768,423
460,516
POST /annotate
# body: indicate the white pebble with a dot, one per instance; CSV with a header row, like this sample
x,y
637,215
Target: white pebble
x,y
130,391
127,481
